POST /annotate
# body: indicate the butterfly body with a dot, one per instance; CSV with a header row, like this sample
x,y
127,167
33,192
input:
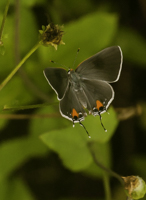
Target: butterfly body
x,y
87,87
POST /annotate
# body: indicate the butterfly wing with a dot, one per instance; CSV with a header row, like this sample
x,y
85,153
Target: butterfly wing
x,y
58,80
105,65
70,107
99,94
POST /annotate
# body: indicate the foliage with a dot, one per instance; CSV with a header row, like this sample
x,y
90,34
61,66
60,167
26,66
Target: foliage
x,y
91,30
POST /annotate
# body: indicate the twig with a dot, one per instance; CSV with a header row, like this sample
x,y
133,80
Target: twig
x,y
27,116
112,173
19,65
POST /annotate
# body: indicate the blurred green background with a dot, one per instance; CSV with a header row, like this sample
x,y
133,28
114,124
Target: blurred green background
x,y
41,155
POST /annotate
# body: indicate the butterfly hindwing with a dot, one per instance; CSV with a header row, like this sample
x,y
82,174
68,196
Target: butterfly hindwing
x,y
99,94
58,80
70,106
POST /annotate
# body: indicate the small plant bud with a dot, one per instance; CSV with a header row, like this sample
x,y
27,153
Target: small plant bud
x,y
51,35
135,187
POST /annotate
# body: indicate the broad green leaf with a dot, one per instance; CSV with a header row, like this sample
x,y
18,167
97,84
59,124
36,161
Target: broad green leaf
x,y
16,152
103,155
93,125
31,3
15,93
46,124
90,33
28,37
14,189
28,30
74,9
133,46
70,144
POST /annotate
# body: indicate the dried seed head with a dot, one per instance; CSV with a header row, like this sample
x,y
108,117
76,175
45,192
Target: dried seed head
x,y
51,35
135,187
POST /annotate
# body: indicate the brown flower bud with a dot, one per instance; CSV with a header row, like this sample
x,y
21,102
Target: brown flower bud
x,y
135,187
51,35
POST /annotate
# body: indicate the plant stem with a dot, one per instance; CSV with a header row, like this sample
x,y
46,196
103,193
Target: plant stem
x,y
19,65
112,173
27,107
106,186
3,21
28,116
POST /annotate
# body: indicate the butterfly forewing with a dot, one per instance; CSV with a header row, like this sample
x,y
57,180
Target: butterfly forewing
x,y
105,65
58,80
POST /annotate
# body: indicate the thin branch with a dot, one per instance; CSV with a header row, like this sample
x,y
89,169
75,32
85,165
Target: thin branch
x,y
112,173
27,107
107,186
27,116
27,81
8,78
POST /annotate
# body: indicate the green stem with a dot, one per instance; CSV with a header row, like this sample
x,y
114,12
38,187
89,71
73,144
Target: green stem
x,y
19,65
112,173
107,186
26,107
3,21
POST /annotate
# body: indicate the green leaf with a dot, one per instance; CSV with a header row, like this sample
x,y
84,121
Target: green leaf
x,y
71,143
15,93
103,155
90,33
16,152
42,125
28,30
96,131
14,189
2,50
133,46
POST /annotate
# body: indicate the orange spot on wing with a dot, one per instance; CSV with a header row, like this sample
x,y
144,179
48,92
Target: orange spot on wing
x,y
98,105
74,113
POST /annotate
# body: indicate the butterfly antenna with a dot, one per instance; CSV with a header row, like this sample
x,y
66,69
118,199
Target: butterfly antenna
x,y
85,129
59,64
76,57
102,123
